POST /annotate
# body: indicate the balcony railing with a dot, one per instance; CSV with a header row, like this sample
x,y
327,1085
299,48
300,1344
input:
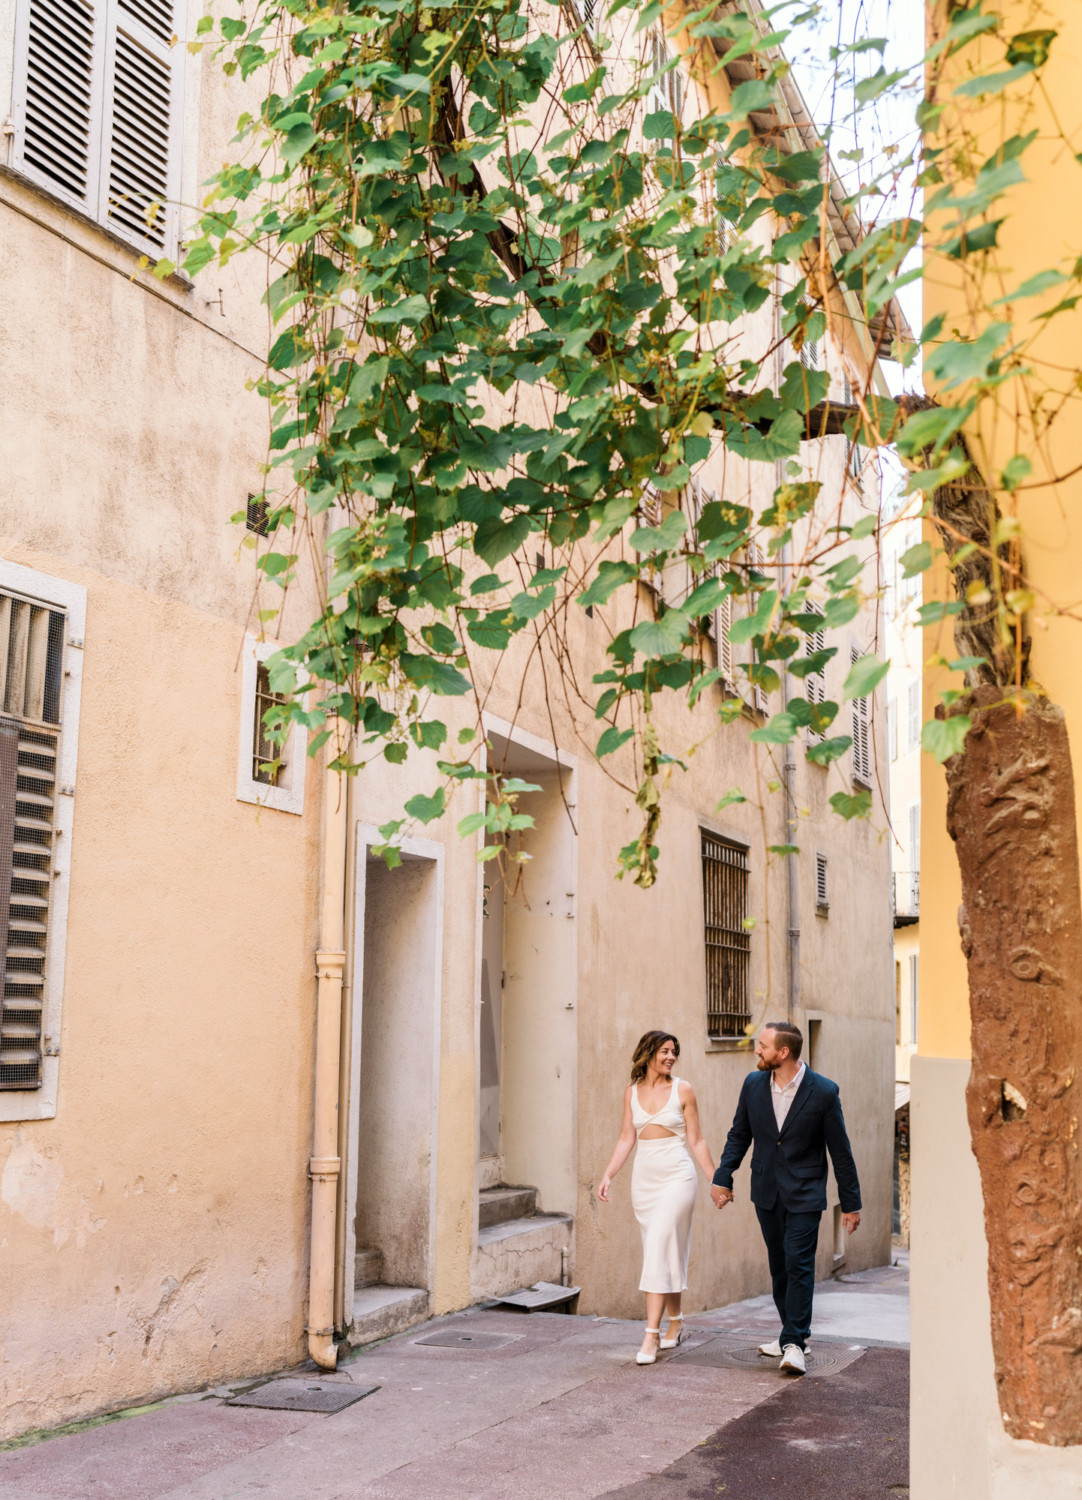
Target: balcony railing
x,y
905,897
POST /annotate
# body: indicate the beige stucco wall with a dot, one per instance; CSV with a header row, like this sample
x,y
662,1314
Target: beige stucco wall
x,y
152,1235
158,1225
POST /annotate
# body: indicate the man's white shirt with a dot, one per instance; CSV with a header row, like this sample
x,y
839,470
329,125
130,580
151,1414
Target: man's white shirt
x,y
782,1099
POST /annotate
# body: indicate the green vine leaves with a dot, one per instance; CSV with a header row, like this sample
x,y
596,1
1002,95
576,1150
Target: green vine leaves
x,y
524,295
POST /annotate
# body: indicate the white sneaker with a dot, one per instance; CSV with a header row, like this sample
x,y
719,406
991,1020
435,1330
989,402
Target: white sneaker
x,y
772,1351
792,1360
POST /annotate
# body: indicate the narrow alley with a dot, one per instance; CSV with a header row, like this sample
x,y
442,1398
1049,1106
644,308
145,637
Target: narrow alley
x,y
492,1404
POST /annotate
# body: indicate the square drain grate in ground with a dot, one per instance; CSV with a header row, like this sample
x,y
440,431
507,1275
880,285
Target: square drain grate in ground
x,y
720,1354
459,1338
304,1395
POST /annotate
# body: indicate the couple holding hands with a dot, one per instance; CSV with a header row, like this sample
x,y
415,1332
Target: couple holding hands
x,y
791,1117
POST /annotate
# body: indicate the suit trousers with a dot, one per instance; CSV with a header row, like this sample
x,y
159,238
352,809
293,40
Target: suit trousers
x,y
791,1239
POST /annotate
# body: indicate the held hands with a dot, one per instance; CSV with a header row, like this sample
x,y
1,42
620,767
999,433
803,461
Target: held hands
x,y
721,1195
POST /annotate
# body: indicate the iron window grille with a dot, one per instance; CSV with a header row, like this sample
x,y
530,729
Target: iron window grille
x,y
728,941
267,757
31,678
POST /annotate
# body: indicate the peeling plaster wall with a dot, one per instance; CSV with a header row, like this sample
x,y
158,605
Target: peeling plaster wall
x,y
153,1236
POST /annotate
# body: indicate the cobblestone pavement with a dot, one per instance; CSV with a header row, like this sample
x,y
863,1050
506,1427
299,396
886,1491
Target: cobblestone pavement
x,y
558,1412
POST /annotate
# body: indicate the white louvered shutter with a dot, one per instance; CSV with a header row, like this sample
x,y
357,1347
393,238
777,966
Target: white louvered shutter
x,y
759,697
822,889
815,684
31,677
862,749
98,101
913,714
723,618
141,155
59,68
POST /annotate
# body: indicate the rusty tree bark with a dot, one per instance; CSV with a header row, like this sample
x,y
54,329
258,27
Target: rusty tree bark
x,y
1011,813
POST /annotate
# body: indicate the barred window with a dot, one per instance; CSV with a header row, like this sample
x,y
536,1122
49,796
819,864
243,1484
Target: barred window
x,y
31,674
728,941
268,774
268,763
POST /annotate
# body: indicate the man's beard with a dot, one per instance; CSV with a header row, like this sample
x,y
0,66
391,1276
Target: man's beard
x,y
766,1067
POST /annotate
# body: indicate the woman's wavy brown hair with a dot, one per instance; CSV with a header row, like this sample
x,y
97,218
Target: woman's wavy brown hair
x,y
649,1046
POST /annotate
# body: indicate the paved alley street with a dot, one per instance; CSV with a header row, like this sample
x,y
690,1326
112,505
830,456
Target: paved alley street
x,y
532,1407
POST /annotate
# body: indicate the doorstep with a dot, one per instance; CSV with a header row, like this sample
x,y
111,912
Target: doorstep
x,y
379,1311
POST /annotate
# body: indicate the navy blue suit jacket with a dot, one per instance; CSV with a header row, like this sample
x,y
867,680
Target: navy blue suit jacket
x,y
791,1164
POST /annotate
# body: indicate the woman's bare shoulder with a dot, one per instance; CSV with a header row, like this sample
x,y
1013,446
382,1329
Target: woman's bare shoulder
x,y
687,1093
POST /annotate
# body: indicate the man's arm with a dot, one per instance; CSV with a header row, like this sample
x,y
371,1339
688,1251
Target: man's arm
x,y
841,1155
736,1143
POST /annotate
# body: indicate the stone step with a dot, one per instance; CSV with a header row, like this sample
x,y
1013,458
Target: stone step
x,y
379,1311
368,1267
499,1205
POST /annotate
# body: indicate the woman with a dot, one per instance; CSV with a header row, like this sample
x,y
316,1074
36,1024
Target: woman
x,y
661,1111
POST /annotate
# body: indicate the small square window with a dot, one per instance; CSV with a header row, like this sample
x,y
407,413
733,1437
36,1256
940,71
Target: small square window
x,y
257,514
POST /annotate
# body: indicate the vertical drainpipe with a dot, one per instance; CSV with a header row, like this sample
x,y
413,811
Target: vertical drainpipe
x,y
789,777
325,1165
789,770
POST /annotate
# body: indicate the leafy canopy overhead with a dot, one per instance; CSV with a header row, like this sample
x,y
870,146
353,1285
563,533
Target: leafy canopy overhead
x,y
519,304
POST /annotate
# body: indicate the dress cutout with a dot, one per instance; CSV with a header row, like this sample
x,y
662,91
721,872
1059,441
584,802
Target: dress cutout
x,y
663,1194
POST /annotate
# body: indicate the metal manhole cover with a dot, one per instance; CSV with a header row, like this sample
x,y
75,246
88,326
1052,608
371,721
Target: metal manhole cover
x,y
721,1355
456,1338
304,1395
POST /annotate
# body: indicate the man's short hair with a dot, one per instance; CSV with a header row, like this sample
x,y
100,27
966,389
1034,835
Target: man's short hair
x,y
787,1034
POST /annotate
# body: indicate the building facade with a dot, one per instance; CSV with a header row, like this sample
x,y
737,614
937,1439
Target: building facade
x,y
162,1067
903,643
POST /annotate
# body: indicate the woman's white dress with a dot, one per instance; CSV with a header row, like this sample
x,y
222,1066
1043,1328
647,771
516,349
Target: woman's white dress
x,y
663,1194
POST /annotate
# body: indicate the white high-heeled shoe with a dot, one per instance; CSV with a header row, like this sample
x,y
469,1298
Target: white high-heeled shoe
x,y
672,1343
648,1359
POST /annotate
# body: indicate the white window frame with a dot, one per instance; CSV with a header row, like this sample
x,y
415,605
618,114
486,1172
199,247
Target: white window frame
x,y
108,18
40,1103
279,798
912,714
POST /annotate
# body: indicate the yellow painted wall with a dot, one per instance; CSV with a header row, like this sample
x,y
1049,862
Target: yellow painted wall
x,y
958,1446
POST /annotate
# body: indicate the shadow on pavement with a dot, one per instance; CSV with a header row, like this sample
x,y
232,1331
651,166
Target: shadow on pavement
x,y
846,1436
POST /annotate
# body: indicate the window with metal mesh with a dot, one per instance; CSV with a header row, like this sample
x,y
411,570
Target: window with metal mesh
x,y
728,941
31,676
267,757
257,514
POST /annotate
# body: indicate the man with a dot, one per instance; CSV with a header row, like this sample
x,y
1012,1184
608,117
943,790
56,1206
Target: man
x,y
794,1116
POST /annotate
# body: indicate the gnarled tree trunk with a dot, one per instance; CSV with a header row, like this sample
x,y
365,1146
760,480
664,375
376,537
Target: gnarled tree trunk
x,y
1011,813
